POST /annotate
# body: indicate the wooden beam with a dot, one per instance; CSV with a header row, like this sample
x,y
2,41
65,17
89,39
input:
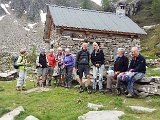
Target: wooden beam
x,y
92,31
49,27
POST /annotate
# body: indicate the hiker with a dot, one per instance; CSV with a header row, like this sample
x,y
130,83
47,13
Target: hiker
x,y
82,66
120,66
97,59
22,64
69,65
61,70
41,64
51,65
136,71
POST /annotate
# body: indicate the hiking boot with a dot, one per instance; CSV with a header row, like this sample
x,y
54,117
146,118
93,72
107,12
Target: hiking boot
x,y
62,84
94,90
101,90
89,90
108,91
81,89
66,85
130,95
38,84
24,88
44,83
118,91
49,83
18,88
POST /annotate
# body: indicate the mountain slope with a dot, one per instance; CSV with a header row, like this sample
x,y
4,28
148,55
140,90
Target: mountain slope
x,y
144,16
32,8
151,43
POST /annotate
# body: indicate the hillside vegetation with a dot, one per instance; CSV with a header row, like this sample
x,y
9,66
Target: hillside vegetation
x,y
151,43
145,16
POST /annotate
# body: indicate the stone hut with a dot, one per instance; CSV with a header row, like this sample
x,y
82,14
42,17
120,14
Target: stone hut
x,y
68,27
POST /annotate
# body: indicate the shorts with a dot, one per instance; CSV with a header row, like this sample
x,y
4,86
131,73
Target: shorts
x,y
61,71
50,71
83,69
42,71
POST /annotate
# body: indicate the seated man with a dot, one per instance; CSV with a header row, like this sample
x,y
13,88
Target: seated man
x,y
137,69
120,65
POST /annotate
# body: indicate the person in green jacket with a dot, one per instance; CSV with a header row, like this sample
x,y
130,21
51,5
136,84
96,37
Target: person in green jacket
x,y
22,63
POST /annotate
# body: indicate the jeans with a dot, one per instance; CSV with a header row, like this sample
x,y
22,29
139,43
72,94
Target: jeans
x,y
68,76
22,78
98,72
133,78
130,78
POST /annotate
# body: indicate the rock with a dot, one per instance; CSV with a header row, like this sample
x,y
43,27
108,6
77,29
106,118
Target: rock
x,y
157,68
101,115
141,109
141,94
11,115
94,106
158,45
148,27
147,80
8,75
38,89
31,118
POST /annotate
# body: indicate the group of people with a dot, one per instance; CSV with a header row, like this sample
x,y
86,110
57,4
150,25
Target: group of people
x,y
67,63
127,73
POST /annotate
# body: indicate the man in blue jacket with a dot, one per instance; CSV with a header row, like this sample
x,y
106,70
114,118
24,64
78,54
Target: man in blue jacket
x,y
137,69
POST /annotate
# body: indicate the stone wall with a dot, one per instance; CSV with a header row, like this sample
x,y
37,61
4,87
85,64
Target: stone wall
x,y
5,62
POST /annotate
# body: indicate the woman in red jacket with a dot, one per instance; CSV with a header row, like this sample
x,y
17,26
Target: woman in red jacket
x,y
51,65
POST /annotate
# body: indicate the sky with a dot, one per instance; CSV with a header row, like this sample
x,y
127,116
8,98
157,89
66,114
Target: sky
x,y
97,1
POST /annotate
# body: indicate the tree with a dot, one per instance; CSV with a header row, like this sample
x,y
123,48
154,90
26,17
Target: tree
x,y
156,9
85,4
105,5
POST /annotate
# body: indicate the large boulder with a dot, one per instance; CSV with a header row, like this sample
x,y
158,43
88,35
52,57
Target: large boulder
x,y
11,115
101,115
94,106
141,109
31,118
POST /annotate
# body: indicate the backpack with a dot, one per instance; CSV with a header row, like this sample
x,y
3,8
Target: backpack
x,y
82,58
15,62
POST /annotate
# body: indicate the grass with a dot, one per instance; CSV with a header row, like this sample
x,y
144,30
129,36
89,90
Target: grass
x,y
152,72
64,104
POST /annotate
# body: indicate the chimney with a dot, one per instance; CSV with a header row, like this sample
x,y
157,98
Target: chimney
x,y
120,10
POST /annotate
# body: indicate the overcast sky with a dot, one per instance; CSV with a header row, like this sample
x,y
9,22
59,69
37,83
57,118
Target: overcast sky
x,y
97,1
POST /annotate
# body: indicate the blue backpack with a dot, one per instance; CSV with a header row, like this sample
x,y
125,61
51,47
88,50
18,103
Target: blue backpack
x,y
15,62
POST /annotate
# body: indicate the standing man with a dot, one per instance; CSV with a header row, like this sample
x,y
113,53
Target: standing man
x,y
41,63
120,66
21,63
51,65
82,65
97,59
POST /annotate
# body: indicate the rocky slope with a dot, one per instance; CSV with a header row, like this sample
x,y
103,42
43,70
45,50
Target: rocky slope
x,y
32,8
22,24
